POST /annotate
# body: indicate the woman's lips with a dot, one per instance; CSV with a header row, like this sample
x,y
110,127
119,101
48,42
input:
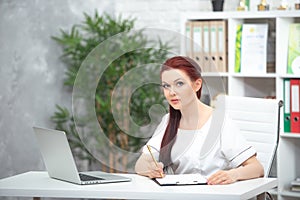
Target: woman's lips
x,y
175,101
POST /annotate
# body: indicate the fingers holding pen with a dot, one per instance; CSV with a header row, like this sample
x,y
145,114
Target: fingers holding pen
x,y
148,166
156,170
158,167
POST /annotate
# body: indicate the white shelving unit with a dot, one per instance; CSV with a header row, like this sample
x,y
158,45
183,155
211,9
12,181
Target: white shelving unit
x,y
259,85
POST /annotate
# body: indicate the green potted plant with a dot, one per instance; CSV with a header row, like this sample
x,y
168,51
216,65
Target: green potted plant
x,y
77,45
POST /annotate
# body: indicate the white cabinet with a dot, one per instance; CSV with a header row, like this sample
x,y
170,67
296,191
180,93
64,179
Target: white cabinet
x,y
288,164
259,85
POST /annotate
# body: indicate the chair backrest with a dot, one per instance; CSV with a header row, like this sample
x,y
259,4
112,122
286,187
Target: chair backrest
x,y
258,120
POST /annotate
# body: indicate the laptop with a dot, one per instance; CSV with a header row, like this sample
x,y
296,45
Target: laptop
x,y
60,164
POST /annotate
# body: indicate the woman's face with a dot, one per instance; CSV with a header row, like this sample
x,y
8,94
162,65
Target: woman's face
x,y
178,89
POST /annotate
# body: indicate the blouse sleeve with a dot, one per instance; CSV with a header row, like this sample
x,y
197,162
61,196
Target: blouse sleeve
x,y
234,146
155,140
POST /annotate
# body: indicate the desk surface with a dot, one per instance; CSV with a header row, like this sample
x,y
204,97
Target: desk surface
x,y
38,184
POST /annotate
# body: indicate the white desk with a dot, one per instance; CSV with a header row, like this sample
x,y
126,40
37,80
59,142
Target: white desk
x,y
38,184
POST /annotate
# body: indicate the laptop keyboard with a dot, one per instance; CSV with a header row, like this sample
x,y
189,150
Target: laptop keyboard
x,y
84,177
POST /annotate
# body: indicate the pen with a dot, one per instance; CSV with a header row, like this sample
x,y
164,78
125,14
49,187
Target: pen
x,y
149,148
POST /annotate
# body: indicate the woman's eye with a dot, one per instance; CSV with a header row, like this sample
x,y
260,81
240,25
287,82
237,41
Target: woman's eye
x,y
165,86
179,84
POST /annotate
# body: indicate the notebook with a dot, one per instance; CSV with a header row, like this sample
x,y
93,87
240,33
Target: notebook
x,y
181,179
59,161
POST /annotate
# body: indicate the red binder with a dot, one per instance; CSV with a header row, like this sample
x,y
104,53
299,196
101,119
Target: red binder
x,y
295,105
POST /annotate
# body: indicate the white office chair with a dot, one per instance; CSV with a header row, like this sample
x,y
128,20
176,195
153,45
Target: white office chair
x,y
258,120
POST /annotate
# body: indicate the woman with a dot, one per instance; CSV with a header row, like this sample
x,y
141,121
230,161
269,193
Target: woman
x,y
186,128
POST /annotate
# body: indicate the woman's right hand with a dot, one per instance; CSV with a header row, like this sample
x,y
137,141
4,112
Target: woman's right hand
x,y
147,167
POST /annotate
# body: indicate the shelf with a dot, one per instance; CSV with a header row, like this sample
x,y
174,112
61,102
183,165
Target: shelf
x,y
240,14
290,135
215,74
273,191
267,75
290,76
289,193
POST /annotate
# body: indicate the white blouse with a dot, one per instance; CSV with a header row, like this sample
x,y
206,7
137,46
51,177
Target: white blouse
x,y
228,150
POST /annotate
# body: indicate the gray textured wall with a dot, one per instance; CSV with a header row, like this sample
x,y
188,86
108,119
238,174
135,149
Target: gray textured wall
x,y
31,73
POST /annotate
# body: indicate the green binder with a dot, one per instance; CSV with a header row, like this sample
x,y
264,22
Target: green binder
x,y
238,42
286,105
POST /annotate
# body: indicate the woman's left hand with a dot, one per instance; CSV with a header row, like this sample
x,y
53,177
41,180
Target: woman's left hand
x,y
222,177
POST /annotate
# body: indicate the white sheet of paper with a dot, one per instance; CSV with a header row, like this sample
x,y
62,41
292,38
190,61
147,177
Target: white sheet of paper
x,y
182,179
254,48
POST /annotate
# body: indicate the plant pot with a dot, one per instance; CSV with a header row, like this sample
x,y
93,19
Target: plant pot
x,y
217,5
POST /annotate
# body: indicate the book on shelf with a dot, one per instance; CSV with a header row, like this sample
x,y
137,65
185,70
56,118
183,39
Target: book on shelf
x,y
286,105
295,185
295,105
271,51
206,46
213,46
294,49
222,46
188,38
209,44
197,45
295,188
218,46
238,42
291,105
251,48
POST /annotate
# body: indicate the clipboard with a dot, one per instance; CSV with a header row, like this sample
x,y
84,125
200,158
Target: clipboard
x,y
181,180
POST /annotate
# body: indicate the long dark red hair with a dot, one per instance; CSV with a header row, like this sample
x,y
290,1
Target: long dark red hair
x,y
193,71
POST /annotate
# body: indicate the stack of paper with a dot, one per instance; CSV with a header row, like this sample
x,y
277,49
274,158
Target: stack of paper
x,y
295,185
